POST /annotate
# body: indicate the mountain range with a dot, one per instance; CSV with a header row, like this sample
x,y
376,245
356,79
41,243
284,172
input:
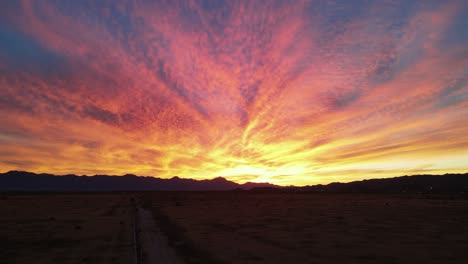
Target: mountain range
x,y
402,184
28,181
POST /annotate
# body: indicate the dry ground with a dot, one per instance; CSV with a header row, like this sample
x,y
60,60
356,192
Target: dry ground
x,y
152,242
232,227
65,228
238,227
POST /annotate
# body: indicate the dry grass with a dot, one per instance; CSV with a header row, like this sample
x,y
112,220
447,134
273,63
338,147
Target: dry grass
x,y
317,228
65,228
239,227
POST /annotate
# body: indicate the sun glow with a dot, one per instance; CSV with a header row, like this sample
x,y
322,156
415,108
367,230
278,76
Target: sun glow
x,y
290,93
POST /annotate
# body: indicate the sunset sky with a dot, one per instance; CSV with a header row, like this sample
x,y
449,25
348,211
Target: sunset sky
x,y
288,92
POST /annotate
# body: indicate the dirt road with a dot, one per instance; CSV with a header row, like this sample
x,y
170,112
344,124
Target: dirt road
x,y
153,245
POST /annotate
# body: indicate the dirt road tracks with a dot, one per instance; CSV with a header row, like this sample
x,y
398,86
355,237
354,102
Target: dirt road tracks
x,y
151,244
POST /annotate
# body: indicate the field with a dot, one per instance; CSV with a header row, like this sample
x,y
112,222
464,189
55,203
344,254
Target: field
x,y
65,228
316,228
238,227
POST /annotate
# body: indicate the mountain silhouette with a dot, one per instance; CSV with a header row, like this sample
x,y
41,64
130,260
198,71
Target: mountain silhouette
x,y
28,181
415,183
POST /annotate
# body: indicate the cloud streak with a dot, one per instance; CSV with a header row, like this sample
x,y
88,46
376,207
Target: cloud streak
x,y
294,92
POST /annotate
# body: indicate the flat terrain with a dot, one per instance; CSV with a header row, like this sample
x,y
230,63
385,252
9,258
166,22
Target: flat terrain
x,y
240,227
235,227
65,228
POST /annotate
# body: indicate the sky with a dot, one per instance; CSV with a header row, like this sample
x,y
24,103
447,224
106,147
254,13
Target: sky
x,y
289,92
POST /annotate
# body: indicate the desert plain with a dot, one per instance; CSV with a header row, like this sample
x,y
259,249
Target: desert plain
x,y
235,227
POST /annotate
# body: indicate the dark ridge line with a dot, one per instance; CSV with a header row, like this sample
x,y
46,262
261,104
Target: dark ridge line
x,y
27,181
20,181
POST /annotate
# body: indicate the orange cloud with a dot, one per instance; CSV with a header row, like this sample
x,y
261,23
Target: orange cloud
x,y
291,93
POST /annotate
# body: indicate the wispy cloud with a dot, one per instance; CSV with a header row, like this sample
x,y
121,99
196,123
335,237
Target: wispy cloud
x,y
286,91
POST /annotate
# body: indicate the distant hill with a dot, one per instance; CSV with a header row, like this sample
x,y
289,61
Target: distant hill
x,y
416,183
28,181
